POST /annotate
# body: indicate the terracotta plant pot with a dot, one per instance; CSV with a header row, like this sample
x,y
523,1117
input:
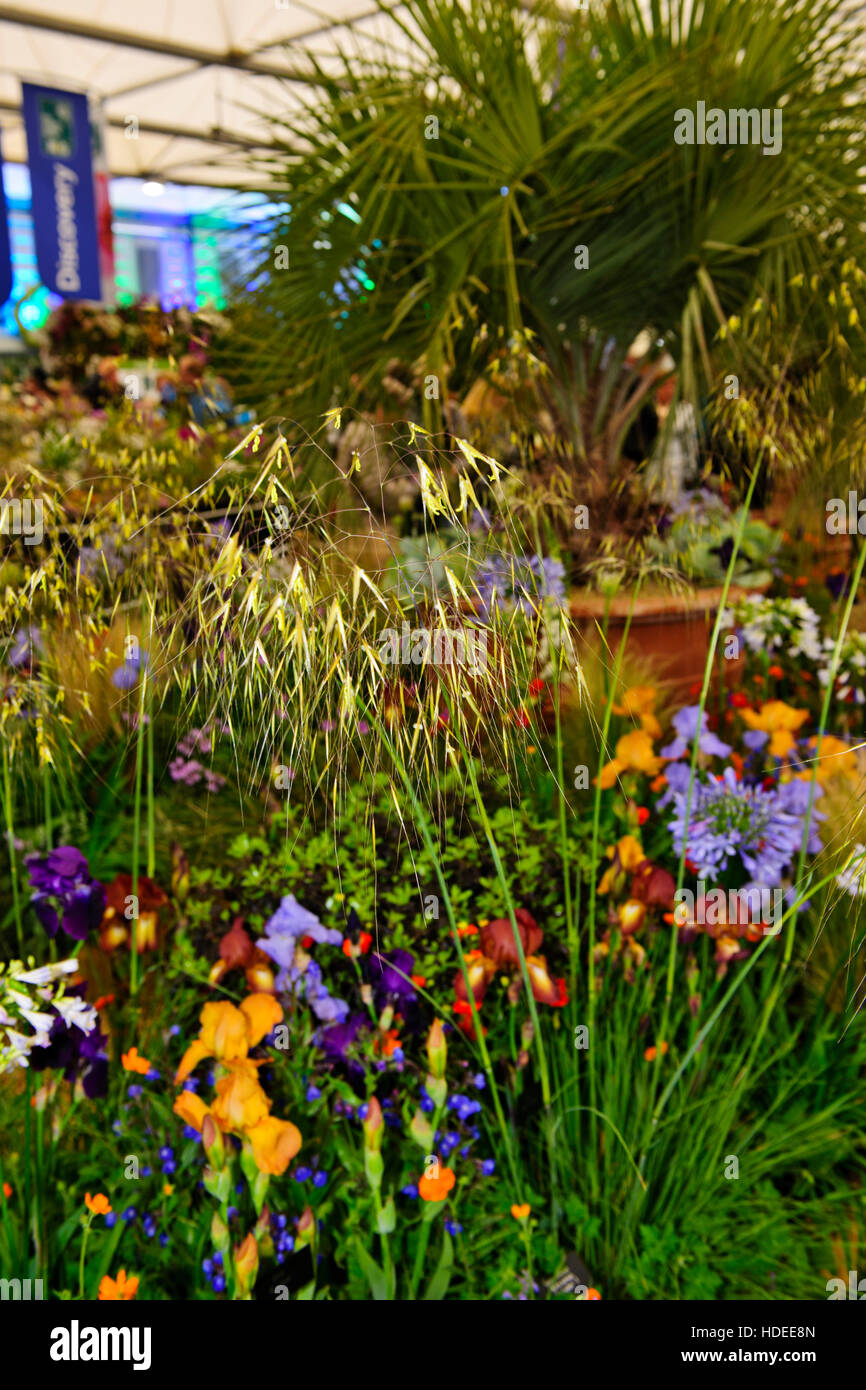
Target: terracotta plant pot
x,y
669,632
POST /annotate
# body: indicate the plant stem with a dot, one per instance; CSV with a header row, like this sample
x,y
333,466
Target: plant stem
x,y
136,827
84,1235
10,840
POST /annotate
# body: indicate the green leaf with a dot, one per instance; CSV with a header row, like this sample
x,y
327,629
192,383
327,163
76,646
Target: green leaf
x,y
373,1273
441,1276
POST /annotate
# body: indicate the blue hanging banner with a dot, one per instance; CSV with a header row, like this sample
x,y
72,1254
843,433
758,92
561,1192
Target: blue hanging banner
x,y
5,250
62,194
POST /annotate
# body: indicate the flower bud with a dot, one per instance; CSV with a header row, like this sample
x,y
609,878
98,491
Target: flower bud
x,y
373,1126
212,1139
305,1230
437,1050
437,1089
219,1234
421,1130
246,1261
262,1232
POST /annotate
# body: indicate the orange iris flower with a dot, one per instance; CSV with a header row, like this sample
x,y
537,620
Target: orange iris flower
x,y
780,721
634,753
240,1101
191,1109
274,1143
228,1033
638,702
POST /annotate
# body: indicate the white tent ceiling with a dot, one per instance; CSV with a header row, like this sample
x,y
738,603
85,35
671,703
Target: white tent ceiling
x,y
197,75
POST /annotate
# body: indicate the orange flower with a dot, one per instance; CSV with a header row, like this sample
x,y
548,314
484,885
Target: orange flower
x,y
436,1189
7,1190
99,1205
121,1288
167,1189
103,1002
626,854
132,1062
521,1211
775,671
191,1109
638,702
545,989
651,1052
275,1143
240,1102
466,929
780,721
262,1013
634,753
365,941
389,1043
418,980
835,759
228,1033
631,913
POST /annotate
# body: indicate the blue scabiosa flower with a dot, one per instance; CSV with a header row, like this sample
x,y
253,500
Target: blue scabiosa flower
x,y
320,1179
313,1093
488,1167
303,1174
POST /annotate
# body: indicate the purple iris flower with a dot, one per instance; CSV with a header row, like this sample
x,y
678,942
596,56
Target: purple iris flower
x,y
61,881
75,1053
392,976
282,930
755,739
338,1038
686,724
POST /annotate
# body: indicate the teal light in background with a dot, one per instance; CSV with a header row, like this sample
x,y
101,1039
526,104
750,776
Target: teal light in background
x,y
349,212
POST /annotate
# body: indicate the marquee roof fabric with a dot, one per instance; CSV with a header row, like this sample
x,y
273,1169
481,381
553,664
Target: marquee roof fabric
x,y
195,77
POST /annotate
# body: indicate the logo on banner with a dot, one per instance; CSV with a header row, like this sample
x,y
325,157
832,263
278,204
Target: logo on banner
x,y
56,128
